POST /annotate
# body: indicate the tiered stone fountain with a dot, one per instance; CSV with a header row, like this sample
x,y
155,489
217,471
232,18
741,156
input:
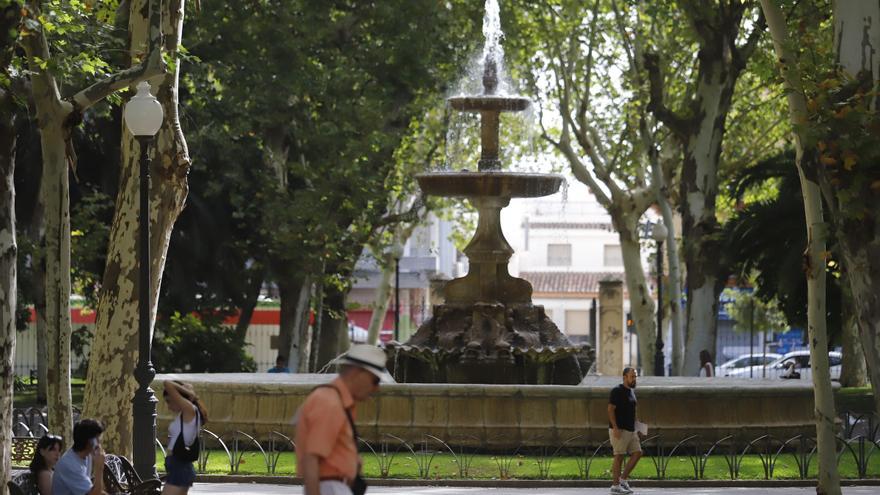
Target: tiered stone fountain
x,y
494,348
488,331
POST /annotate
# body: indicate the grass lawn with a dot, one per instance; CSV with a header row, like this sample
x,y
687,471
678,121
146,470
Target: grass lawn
x,y
445,466
28,397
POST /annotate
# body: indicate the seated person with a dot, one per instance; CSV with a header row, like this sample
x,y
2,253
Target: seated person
x,y
43,464
280,365
791,371
80,471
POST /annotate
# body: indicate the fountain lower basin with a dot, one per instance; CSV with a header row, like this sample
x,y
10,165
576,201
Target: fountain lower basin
x,y
511,416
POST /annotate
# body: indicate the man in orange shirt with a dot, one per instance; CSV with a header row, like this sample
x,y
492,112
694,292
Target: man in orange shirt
x,y
326,450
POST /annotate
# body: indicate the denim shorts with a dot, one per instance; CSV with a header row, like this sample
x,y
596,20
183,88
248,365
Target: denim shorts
x,y
179,473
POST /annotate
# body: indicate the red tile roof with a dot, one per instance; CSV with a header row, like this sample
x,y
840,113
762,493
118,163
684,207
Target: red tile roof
x,y
569,282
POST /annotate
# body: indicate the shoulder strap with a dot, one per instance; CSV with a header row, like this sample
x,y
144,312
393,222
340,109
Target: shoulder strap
x,y
354,431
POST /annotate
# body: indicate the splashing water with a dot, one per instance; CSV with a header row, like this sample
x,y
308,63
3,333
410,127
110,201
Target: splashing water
x,y
472,83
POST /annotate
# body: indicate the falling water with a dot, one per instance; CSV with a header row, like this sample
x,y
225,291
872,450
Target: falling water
x,y
521,148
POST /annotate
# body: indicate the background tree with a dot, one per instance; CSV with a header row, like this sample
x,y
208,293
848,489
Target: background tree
x,y
577,52
57,116
814,255
723,36
319,131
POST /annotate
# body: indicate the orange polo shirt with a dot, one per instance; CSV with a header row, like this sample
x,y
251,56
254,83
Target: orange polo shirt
x,y
323,430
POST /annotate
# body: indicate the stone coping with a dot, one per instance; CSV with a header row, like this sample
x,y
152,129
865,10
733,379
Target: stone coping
x,y
591,386
591,383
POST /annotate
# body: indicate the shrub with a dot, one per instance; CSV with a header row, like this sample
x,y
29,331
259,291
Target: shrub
x,y
199,344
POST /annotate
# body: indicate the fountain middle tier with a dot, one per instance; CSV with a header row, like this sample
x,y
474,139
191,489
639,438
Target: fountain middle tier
x,y
489,183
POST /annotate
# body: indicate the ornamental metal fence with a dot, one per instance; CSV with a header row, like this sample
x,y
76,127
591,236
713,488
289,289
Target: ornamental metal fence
x,y
858,442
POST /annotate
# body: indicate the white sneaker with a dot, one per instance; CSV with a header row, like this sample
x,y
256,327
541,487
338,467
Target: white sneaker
x,y
625,485
618,490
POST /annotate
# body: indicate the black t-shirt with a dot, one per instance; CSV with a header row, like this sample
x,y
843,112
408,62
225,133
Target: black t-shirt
x,y
624,400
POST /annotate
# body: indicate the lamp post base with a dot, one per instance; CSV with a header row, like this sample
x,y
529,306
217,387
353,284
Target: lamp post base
x,y
144,433
659,368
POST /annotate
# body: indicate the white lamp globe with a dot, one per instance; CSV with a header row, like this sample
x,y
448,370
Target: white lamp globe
x,y
143,113
659,232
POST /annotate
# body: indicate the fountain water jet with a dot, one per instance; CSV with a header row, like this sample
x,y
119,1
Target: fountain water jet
x,y
488,331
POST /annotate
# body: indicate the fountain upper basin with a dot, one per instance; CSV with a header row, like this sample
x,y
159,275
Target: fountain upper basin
x,y
489,103
491,183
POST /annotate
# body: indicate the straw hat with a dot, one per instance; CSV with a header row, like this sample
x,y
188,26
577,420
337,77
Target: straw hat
x,y
368,357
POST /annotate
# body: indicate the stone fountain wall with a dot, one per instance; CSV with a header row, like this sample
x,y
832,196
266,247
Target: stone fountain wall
x,y
510,416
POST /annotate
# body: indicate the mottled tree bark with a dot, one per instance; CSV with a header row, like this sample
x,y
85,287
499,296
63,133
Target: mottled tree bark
x,y
246,311
293,291
111,385
853,370
8,281
334,327
52,114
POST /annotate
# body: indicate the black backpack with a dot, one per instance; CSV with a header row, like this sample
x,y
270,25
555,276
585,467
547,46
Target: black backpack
x,y
183,453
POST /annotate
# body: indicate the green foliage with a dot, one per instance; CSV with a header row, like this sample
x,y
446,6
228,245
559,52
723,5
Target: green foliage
x,y
90,231
318,120
764,240
194,344
844,128
84,45
753,314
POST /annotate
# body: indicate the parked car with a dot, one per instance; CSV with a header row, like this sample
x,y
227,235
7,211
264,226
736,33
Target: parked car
x,y
746,360
779,367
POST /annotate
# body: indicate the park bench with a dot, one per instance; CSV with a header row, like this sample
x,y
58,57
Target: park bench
x,y
22,484
120,477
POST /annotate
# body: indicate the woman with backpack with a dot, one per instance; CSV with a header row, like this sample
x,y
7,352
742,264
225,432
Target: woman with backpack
x,y
183,436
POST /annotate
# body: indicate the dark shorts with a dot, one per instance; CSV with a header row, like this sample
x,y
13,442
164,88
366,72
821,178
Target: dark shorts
x,y
179,473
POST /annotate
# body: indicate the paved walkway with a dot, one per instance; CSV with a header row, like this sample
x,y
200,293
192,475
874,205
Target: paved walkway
x,y
262,489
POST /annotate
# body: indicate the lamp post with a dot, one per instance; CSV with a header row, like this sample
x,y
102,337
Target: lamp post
x,y
143,117
659,232
397,298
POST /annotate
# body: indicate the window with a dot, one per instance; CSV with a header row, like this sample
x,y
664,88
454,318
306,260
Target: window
x,y
612,255
577,322
559,255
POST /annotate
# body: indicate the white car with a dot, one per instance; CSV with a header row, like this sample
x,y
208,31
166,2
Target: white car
x,y
746,360
780,367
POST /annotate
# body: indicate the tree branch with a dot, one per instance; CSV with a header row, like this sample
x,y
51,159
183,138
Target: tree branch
x,y
88,97
152,65
675,122
742,54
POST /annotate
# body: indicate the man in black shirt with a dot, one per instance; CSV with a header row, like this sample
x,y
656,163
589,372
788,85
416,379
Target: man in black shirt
x,y
622,430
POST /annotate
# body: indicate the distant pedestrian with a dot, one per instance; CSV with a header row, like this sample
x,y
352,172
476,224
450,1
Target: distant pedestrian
x,y
326,447
80,471
707,369
183,436
280,365
622,431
